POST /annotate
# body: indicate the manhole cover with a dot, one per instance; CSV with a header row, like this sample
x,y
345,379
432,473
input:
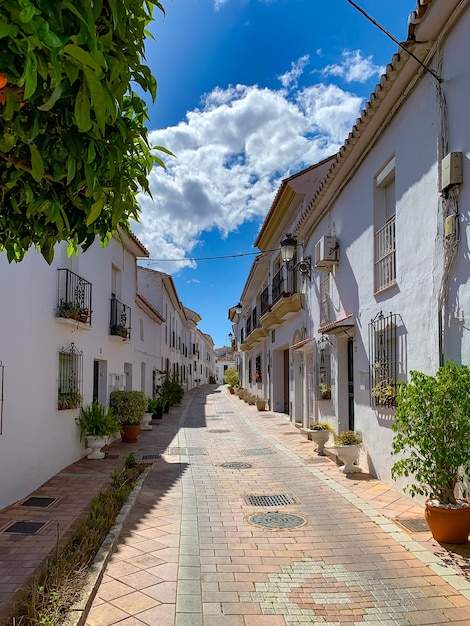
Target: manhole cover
x,y
236,465
39,501
414,525
275,500
274,519
150,457
221,430
25,528
256,452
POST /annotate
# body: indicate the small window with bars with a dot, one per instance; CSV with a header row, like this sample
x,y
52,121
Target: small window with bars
x,y
70,383
383,360
324,369
258,374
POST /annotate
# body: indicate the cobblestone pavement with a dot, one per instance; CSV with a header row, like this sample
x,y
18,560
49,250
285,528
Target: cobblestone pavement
x,y
200,548
240,523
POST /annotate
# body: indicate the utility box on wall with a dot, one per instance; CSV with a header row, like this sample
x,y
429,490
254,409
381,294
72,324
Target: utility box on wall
x,y
451,170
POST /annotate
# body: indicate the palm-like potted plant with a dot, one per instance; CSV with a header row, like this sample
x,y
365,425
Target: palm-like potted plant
x,y
347,445
432,436
96,425
319,432
129,408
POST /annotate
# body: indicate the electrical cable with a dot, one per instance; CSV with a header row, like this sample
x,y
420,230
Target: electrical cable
x,y
211,258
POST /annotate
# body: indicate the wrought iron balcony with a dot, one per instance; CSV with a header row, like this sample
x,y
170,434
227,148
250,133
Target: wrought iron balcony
x,y
284,285
264,301
73,297
120,321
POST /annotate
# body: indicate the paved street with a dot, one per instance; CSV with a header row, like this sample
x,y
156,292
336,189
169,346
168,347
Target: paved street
x,y
277,538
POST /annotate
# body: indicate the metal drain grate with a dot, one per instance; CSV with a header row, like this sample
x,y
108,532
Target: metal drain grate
x,y
39,501
150,457
275,500
236,465
25,528
221,430
256,452
274,519
414,525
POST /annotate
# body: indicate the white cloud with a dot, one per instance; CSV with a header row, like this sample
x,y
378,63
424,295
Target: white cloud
x,y
354,67
289,79
231,155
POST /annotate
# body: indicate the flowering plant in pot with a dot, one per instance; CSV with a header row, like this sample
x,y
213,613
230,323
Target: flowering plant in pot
x,y
231,378
319,432
347,444
432,436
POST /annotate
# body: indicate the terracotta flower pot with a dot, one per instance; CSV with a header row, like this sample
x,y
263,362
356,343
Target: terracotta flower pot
x,y
129,433
448,525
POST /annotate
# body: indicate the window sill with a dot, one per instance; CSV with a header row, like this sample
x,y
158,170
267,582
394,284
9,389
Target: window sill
x,y
382,290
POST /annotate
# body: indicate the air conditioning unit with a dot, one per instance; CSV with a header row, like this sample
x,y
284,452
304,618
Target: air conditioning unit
x,y
326,252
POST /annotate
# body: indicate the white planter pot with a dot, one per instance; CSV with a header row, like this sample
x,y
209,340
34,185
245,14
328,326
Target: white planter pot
x,y
145,422
348,454
320,437
95,443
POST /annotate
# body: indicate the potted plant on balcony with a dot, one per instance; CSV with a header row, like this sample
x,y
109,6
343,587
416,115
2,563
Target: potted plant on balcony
x,y
319,432
347,446
69,310
96,424
432,436
129,408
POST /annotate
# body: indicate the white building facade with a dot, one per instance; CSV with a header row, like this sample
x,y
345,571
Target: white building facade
x,y
385,238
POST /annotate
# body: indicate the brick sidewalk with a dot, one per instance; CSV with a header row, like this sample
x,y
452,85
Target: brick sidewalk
x,y
71,491
192,554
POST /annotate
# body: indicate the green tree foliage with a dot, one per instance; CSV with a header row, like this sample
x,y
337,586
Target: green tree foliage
x,y
74,150
231,377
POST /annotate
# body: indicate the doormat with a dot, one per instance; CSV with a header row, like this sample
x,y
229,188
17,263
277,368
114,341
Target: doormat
x,y
414,525
39,501
25,528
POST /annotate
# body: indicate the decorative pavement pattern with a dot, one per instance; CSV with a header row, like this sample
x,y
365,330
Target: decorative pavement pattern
x,y
304,592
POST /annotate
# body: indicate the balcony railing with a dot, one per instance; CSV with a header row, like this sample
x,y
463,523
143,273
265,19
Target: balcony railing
x,y
385,263
264,302
120,320
284,285
73,297
248,326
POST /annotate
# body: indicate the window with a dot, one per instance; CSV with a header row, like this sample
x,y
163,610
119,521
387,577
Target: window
x,y
249,372
324,297
324,368
383,360
70,378
385,208
258,376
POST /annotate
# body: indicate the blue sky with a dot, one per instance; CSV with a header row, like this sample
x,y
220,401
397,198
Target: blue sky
x,y
249,92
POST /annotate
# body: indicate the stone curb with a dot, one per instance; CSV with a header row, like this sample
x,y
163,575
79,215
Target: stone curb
x,y
78,613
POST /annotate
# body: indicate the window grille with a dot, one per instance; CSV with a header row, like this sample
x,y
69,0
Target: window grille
x,y
324,369
258,376
70,383
249,372
383,360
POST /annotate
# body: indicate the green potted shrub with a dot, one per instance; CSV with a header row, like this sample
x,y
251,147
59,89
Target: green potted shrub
x,y
347,446
96,424
432,437
129,407
231,378
319,432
